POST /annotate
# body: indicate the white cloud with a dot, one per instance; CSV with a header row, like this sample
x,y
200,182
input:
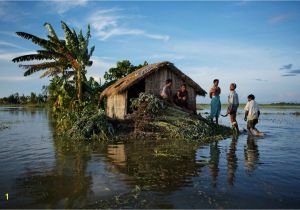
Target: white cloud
x,y
165,56
278,18
9,12
157,36
3,11
228,54
8,33
8,44
9,56
241,3
107,23
15,78
62,6
100,65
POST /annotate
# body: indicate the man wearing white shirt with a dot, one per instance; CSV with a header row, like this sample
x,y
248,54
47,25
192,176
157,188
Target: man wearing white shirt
x,y
252,113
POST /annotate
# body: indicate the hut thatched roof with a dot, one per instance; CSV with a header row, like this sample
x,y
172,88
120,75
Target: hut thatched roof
x,y
126,82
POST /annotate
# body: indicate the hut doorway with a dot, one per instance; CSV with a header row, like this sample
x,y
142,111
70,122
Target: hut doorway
x,y
133,92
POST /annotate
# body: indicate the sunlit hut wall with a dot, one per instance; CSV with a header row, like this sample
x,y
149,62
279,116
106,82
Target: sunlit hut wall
x,y
149,79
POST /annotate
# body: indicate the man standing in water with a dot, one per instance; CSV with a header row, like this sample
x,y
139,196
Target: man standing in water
x,y
215,104
233,104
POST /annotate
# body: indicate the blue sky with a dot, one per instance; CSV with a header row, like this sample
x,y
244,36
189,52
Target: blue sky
x,y
254,44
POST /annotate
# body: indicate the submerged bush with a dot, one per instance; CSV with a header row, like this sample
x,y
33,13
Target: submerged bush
x,y
152,115
190,128
86,124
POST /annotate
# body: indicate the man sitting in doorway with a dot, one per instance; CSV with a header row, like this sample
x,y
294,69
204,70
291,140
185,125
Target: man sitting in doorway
x,y
166,92
182,97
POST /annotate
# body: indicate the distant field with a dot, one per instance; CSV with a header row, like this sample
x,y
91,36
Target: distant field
x,y
269,106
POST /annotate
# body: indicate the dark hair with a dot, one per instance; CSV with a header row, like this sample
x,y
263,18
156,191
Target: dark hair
x,y
234,85
168,81
216,80
183,85
251,96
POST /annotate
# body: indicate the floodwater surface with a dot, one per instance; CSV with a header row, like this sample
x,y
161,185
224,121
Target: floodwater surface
x,y
42,170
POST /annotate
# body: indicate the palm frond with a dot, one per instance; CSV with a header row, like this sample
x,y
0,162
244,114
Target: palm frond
x,y
91,52
71,39
32,68
36,40
88,33
31,57
51,31
51,53
52,72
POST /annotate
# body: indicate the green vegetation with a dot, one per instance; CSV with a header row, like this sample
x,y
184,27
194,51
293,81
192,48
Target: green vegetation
x,y
86,124
73,99
158,118
68,58
122,69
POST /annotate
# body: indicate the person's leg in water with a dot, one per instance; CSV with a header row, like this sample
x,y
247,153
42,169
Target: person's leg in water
x,y
217,120
255,129
234,122
250,127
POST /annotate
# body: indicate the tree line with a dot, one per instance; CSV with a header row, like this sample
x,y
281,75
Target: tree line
x,y
31,99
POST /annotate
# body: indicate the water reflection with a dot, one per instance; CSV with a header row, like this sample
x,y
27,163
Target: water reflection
x,y
24,111
154,166
117,155
232,161
66,185
251,155
214,162
159,166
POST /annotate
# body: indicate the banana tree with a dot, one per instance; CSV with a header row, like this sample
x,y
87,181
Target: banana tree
x,y
68,57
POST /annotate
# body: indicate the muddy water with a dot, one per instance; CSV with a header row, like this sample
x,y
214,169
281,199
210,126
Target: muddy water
x,y
41,170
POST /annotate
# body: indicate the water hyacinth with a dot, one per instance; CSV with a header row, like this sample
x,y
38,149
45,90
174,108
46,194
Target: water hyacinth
x,y
150,103
169,121
92,125
86,124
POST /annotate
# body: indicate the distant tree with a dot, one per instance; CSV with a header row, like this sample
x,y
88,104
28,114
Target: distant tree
x,y
91,90
33,98
13,99
23,99
122,70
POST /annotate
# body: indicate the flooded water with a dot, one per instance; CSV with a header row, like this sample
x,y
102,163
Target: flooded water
x,y
40,170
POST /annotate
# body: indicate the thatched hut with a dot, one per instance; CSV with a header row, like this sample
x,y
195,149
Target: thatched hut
x,y
149,79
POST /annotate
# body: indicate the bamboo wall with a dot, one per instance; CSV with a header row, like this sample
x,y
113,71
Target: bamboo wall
x,y
117,106
156,81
